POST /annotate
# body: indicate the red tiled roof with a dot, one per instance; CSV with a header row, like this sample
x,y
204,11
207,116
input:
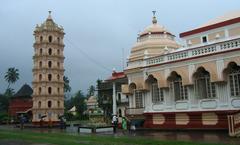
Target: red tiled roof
x,y
116,75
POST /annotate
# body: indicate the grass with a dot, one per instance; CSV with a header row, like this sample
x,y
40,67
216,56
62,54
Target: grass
x,y
67,139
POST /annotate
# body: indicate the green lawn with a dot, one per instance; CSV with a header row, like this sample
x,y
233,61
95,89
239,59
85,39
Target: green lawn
x,y
66,139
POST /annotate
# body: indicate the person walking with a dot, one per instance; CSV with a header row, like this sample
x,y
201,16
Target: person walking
x,y
114,122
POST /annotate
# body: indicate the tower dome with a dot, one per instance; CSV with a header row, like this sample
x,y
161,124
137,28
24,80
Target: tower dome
x,y
154,39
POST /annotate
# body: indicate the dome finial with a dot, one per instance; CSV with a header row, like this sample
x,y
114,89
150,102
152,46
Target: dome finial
x,y
154,20
49,15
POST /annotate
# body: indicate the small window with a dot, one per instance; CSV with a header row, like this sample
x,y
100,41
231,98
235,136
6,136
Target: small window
x,y
40,64
39,90
49,77
41,51
41,38
204,39
58,104
49,64
39,104
49,90
49,51
49,104
50,39
40,77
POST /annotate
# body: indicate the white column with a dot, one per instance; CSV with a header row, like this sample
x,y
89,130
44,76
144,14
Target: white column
x,y
114,99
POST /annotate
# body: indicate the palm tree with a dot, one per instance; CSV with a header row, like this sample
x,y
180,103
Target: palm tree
x,y
67,87
11,76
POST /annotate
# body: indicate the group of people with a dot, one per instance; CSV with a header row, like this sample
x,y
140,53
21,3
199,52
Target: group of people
x,y
126,124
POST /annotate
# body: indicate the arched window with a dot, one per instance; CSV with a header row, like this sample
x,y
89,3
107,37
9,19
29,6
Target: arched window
x,y
49,104
50,38
203,87
39,90
41,51
49,64
49,90
176,88
40,64
50,51
40,77
58,64
49,77
39,104
58,77
233,72
157,93
41,38
58,102
58,52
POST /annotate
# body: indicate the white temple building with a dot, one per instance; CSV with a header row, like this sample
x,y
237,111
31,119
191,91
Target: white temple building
x,y
192,86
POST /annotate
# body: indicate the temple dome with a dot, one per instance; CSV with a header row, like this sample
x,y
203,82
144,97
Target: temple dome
x,y
155,40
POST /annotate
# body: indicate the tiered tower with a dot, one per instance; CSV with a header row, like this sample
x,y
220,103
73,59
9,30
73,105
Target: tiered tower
x,y
48,72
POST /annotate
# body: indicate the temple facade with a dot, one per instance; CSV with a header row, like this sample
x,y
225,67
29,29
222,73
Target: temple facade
x,y
48,72
195,85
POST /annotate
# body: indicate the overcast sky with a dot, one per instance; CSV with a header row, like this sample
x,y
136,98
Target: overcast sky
x,y
97,32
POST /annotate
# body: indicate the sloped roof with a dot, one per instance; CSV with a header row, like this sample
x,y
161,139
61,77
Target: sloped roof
x,y
25,91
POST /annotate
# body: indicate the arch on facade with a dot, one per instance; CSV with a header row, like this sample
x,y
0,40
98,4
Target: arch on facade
x,y
149,81
49,77
41,51
58,104
49,90
39,104
58,39
40,77
232,76
50,38
203,86
211,68
49,104
50,51
49,64
39,90
40,64
132,87
41,38
177,89
156,92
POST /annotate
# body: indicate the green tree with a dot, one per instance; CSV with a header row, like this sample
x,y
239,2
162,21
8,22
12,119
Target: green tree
x,y
9,92
67,87
91,91
4,102
11,76
79,102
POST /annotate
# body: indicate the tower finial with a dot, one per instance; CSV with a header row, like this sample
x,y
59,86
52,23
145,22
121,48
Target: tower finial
x,y
154,20
49,15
